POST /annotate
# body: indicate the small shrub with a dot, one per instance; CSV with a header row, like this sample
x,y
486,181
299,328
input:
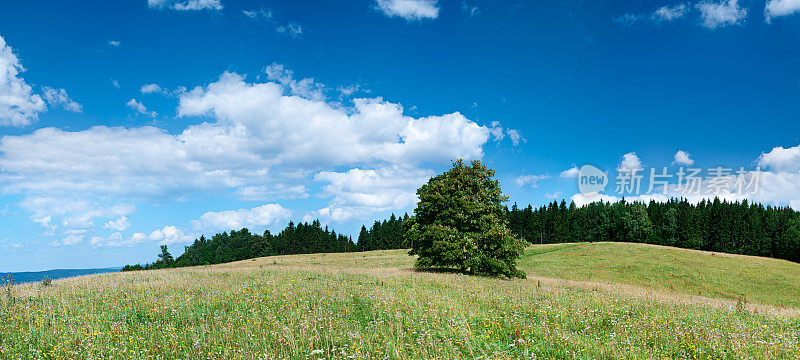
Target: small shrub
x,y
47,282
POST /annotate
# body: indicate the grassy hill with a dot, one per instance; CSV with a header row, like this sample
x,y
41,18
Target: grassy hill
x,y
372,306
716,275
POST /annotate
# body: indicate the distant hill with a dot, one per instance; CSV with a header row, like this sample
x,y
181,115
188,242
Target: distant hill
x,y
694,272
35,276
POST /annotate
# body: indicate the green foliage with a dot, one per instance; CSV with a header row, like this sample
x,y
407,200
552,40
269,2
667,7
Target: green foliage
x,y
635,224
460,222
165,256
47,282
384,235
731,227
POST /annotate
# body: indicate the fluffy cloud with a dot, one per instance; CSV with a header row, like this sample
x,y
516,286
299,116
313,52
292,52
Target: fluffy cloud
x,y
306,88
777,8
119,224
499,133
185,5
60,98
140,108
72,219
630,161
167,235
151,88
261,141
781,159
409,9
357,192
683,158
19,106
720,14
570,173
300,128
74,213
113,43
669,13
530,180
260,217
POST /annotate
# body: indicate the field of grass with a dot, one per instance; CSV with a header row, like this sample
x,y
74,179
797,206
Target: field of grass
x,y
368,306
715,275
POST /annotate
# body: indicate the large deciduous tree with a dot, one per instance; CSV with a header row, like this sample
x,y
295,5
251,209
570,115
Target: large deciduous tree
x,y
460,222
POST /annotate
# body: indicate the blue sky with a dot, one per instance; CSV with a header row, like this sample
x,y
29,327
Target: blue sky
x,y
128,124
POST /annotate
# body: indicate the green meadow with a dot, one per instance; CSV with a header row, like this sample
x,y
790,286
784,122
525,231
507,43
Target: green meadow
x,y
580,301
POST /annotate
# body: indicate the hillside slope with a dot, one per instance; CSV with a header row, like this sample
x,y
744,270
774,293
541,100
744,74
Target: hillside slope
x,y
717,275
366,306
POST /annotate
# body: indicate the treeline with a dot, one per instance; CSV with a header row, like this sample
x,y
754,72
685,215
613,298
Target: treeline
x,y
714,225
303,238
384,235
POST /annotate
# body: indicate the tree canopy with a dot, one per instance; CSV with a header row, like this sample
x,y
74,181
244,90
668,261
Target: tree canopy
x,y
460,222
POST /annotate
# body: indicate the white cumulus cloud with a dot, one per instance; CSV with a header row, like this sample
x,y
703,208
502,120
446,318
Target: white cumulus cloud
x,y
630,161
721,13
258,141
256,218
409,9
19,106
151,88
570,173
358,193
777,8
683,158
781,159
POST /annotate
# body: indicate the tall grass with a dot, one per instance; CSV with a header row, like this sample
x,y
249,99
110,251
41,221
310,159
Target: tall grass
x,y
364,306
